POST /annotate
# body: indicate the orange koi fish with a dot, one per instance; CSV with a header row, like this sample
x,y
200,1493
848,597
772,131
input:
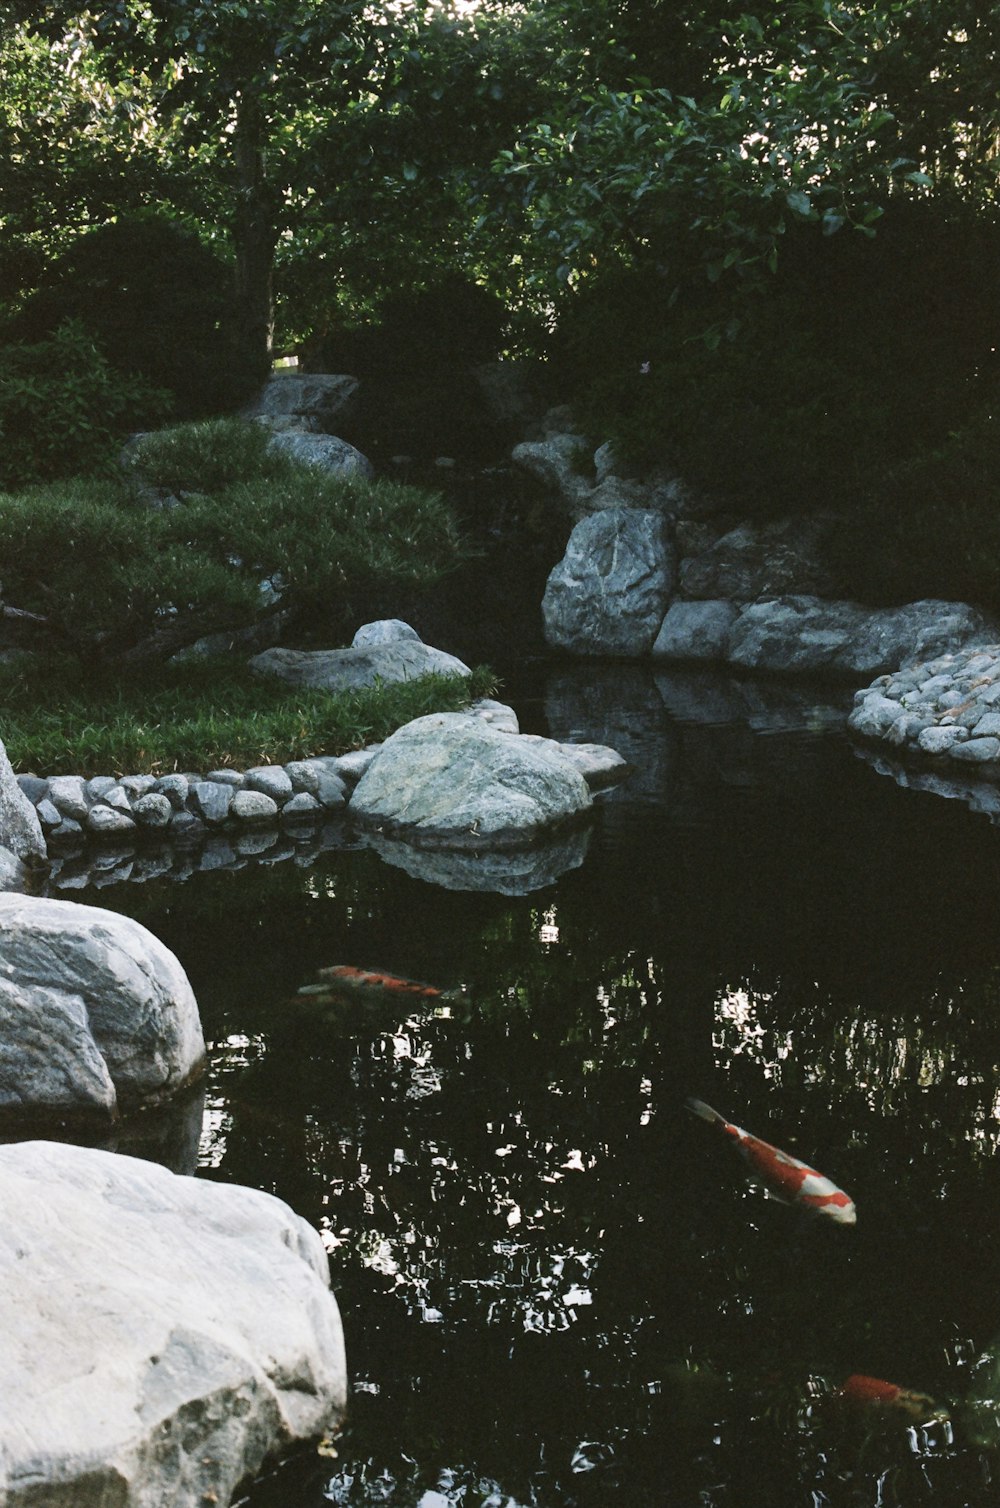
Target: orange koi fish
x,y
784,1176
343,981
858,1389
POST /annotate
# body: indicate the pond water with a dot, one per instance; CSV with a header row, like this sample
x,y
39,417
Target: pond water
x,y
557,1286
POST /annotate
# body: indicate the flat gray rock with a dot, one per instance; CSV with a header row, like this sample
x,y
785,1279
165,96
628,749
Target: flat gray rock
x,y
349,669
806,634
96,1015
609,593
162,1335
449,780
314,400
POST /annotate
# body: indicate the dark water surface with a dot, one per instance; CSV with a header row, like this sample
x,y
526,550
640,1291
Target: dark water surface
x,y
557,1287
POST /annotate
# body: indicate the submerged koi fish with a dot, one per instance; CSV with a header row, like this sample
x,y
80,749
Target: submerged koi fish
x,y
344,982
784,1176
867,1391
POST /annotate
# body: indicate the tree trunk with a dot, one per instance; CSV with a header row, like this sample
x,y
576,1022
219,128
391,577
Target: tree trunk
x,y
254,234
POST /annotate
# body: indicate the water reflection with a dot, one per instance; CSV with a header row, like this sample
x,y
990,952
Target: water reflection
x,y
554,1292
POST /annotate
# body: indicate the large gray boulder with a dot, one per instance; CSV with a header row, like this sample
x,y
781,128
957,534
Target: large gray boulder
x,y
450,780
762,560
313,401
96,1015
609,593
361,665
326,452
20,829
162,1335
805,634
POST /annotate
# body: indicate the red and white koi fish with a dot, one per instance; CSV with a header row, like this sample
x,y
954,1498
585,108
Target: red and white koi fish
x,y
867,1391
784,1176
343,981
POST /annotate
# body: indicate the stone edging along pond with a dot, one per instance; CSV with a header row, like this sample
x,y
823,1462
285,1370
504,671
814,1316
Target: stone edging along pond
x,y
944,712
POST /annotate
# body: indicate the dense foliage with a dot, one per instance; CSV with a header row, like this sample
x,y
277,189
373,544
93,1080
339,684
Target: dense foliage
x,y
158,304
112,579
63,406
728,231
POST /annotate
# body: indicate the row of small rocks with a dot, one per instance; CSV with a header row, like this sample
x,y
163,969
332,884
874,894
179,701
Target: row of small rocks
x,y
184,805
946,709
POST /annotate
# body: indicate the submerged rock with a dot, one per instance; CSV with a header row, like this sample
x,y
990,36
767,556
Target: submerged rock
x,y
162,1335
450,780
96,1015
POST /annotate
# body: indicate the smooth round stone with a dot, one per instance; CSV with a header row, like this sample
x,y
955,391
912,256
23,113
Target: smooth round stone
x,y
108,822
988,726
384,631
226,777
186,825
940,740
34,787
331,791
48,815
977,750
300,807
253,807
271,780
907,729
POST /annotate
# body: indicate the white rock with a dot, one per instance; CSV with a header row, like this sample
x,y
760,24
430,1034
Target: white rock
x,y
20,830
162,1335
90,998
383,631
450,780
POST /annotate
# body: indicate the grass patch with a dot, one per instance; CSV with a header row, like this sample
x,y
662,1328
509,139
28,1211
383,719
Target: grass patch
x,y
202,717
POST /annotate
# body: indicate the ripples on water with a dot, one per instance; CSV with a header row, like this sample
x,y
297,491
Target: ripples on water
x,y
556,1286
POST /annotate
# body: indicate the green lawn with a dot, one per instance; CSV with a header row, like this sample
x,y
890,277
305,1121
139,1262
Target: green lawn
x,y
201,717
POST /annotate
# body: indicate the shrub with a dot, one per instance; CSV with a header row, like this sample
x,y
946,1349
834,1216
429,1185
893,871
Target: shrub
x,y
931,527
203,457
63,408
120,582
861,354
158,303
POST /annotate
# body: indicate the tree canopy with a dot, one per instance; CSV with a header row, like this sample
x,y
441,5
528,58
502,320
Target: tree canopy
x,y
349,146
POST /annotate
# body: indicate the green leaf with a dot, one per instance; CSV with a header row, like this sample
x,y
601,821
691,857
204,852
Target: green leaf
x,y
799,203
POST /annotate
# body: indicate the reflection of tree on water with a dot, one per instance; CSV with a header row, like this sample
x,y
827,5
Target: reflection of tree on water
x,y
825,974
